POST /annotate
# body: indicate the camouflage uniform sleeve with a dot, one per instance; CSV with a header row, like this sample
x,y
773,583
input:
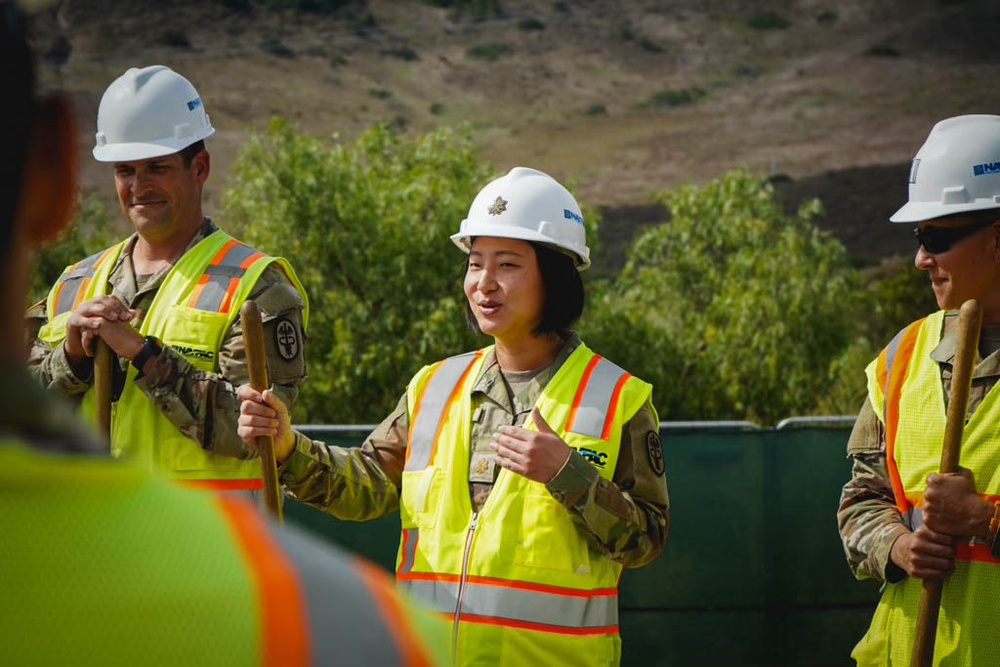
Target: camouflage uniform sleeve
x,y
351,483
49,365
203,405
627,519
867,517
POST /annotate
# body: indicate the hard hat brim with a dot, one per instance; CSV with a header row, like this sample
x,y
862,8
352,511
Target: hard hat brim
x,y
145,150
912,212
463,241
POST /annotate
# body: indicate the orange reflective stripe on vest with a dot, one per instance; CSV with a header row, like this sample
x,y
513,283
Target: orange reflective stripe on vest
x,y
896,363
402,631
529,606
282,606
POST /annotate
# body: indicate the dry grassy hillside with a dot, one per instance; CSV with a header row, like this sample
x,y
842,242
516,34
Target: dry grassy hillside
x,y
624,99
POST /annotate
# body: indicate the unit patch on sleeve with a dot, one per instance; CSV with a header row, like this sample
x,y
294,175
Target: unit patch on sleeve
x,y
286,339
654,448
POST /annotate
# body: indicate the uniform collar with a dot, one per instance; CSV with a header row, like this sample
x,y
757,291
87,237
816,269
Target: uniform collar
x,y
944,353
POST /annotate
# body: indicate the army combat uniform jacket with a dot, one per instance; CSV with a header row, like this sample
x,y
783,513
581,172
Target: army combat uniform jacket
x,y
625,519
200,404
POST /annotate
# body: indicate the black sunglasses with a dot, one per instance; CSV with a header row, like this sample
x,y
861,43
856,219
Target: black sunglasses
x,y
937,240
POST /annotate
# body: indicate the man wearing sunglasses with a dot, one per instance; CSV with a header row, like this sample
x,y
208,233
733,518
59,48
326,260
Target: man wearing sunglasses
x,y
900,521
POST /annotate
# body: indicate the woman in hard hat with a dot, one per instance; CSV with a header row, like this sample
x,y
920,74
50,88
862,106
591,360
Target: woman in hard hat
x,y
527,473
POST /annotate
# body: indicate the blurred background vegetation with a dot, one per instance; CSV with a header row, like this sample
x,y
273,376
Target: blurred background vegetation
x,y
730,306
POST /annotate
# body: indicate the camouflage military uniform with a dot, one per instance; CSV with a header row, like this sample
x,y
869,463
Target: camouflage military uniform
x,y
868,518
627,520
202,405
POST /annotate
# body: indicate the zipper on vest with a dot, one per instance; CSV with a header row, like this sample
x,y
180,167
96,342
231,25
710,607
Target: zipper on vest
x,y
462,580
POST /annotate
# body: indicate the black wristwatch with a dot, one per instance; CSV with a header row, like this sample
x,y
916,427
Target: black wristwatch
x,y
150,348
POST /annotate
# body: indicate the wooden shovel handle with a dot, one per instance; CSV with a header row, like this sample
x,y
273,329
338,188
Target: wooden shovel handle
x,y
970,320
103,358
253,339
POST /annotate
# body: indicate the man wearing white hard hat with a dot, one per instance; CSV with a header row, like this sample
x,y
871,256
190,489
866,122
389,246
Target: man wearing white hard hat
x,y
167,299
527,474
900,520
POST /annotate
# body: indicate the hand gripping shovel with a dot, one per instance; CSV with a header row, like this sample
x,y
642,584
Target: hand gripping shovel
x,y
253,338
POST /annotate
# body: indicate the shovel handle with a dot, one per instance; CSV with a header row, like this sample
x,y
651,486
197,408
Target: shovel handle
x,y
253,339
970,320
103,358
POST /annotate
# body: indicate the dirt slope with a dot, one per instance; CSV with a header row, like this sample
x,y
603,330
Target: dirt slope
x,y
833,97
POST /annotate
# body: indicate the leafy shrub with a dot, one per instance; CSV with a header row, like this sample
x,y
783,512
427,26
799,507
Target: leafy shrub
x,y
649,45
739,308
276,47
366,225
883,51
674,98
404,53
489,52
827,17
92,231
174,38
530,25
768,21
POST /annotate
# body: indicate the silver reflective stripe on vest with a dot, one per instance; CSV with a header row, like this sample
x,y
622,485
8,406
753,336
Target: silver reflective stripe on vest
x,y
594,407
914,518
73,279
408,544
432,406
345,625
221,274
520,605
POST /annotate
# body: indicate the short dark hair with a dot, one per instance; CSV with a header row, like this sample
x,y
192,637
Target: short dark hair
x,y
19,82
564,293
187,154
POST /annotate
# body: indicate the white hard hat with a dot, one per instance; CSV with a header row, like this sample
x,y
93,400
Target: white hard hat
x,y
529,205
149,112
957,170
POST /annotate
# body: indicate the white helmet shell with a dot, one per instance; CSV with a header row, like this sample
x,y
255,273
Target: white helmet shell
x,y
529,205
957,170
147,113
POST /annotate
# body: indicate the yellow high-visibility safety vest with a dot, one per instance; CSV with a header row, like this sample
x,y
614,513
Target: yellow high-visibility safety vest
x,y
106,563
195,306
904,387
518,578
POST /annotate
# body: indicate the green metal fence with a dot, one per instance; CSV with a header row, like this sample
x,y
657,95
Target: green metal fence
x,y
753,572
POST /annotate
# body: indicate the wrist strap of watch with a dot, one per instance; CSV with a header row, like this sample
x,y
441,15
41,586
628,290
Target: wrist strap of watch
x,y
993,534
150,348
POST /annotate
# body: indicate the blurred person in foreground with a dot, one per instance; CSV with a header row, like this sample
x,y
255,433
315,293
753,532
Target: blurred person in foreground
x,y
102,561
899,519
527,474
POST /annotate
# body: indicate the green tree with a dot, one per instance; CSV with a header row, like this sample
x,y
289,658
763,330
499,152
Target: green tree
x,y
91,232
741,308
893,294
366,226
